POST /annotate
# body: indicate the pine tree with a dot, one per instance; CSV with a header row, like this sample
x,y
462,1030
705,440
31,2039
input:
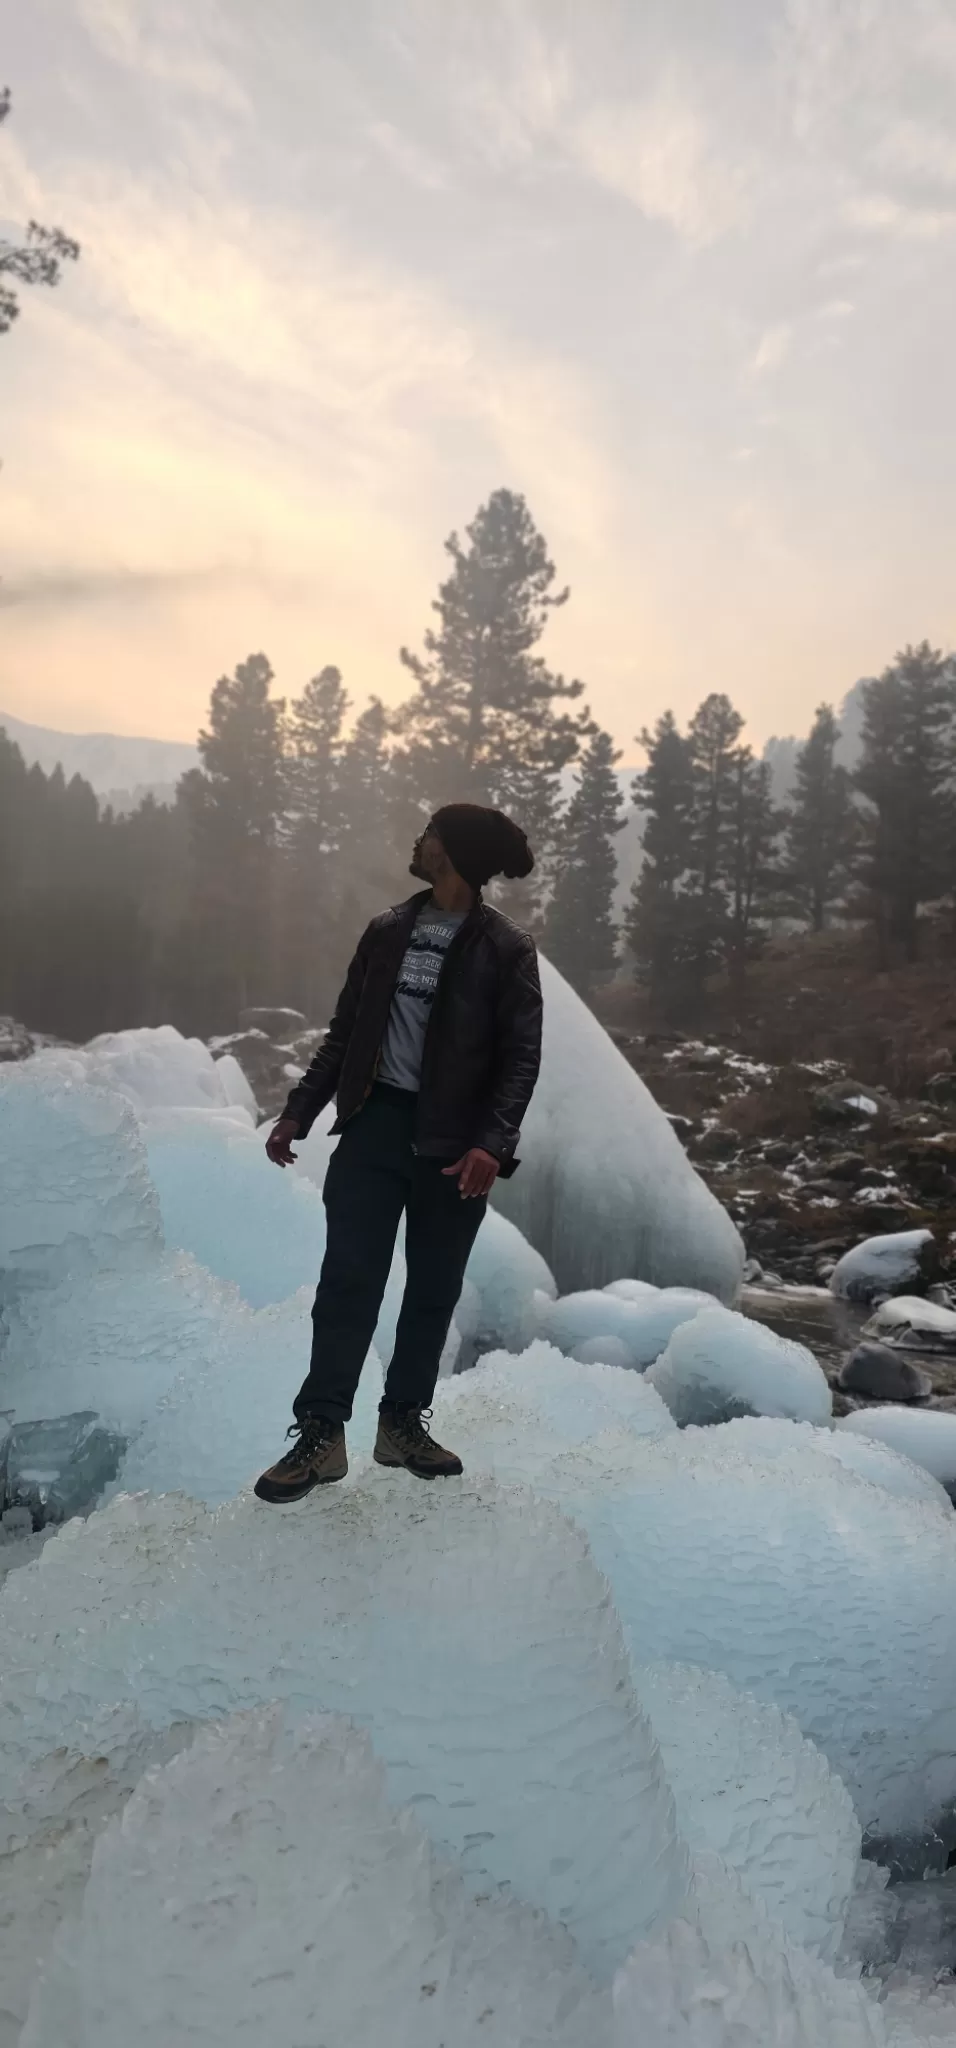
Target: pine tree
x,y
713,737
486,722
313,830
38,260
904,776
579,932
663,793
751,876
821,825
234,802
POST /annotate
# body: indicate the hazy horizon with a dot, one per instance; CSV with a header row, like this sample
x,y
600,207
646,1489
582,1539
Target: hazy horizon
x,y
680,279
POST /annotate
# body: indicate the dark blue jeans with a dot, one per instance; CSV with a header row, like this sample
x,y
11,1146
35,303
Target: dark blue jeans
x,y
374,1177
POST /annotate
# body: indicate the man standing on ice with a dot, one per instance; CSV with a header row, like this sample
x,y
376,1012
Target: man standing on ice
x,y
432,1055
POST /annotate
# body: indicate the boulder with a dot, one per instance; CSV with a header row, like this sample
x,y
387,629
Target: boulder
x,y
780,1152
899,1262
850,1102
6,1432
281,1024
717,1142
16,1042
880,1374
850,1166
941,1087
56,1468
914,1324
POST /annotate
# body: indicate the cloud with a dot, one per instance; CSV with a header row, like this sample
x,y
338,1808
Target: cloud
x,y
877,213
771,349
168,46
408,157
922,149
659,155
51,590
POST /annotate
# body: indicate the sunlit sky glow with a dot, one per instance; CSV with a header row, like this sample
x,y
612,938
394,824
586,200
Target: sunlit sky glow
x,y
681,271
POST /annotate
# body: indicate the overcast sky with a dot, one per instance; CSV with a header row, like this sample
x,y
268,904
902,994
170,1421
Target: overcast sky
x,y
682,271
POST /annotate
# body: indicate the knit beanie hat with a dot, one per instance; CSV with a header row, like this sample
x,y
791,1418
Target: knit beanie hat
x,y
481,843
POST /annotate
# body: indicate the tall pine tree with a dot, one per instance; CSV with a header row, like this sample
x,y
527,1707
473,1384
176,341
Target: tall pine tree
x,y
905,777
654,926
233,804
487,721
313,832
579,932
714,737
821,826
751,874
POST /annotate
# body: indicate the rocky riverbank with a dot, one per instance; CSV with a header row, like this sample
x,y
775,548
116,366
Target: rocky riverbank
x,y
809,1159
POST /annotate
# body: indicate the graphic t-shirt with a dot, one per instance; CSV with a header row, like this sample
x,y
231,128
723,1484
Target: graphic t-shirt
x,y
403,1044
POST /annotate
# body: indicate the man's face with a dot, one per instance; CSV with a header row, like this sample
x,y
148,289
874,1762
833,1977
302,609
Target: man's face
x,y
428,856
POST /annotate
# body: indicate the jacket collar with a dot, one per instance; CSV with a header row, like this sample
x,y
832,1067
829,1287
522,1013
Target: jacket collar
x,y
407,912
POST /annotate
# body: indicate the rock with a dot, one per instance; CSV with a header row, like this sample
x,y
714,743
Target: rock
x,y
780,1152
913,1324
56,1468
901,1262
683,1126
875,1370
5,1434
717,1142
941,1087
279,1023
16,1042
270,1068
920,1123
15,1524
847,1166
850,1102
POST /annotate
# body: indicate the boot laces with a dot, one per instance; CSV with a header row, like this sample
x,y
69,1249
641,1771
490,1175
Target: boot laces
x,y
414,1425
309,1437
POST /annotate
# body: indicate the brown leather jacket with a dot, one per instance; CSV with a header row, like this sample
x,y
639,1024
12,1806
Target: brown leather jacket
x,y
482,1046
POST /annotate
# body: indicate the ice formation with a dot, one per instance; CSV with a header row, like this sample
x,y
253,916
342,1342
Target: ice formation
x,y
880,1265
269,1892
467,1629
152,1069
513,1417
869,1459
750,1789
927,1436
791,1575
724,1975
220,1200
268,1889
75,1194
163,1778
604,1187
643,1325
719,1366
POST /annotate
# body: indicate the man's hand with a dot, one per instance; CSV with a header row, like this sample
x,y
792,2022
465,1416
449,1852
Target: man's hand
x,y
279,1140
477,1171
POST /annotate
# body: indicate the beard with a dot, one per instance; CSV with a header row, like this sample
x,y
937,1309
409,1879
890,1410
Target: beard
x,y
415,868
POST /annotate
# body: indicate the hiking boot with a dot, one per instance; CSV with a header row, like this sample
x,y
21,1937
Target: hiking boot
x,y
317,1457
403,1439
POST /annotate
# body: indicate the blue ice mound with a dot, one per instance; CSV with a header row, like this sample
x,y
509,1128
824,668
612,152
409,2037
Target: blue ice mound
x,y
805,1584
605,1187
720,1365
468,1631
268,1891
